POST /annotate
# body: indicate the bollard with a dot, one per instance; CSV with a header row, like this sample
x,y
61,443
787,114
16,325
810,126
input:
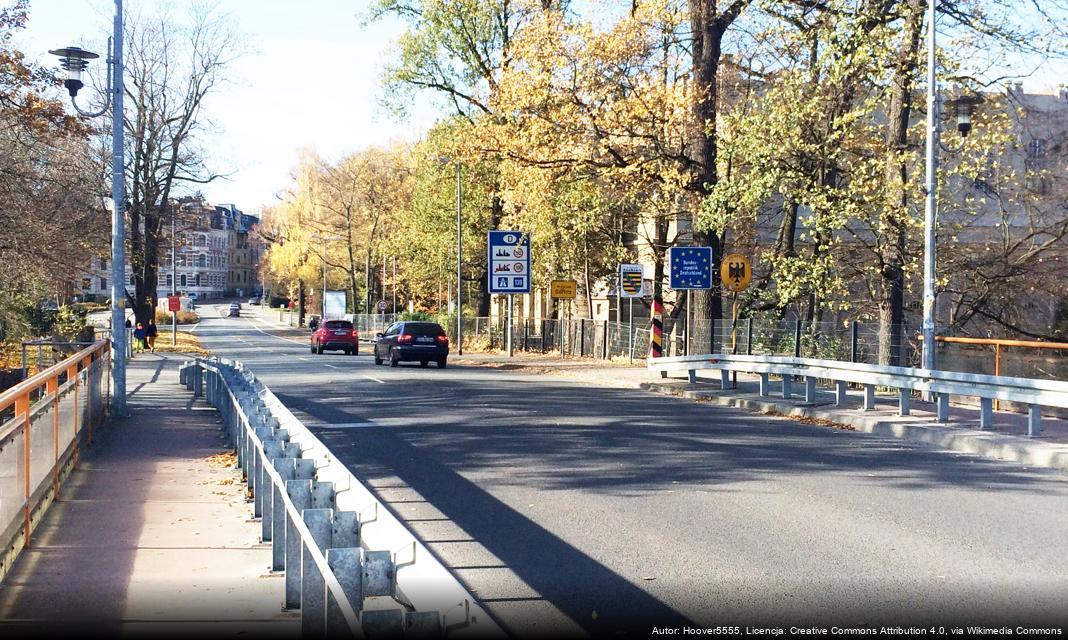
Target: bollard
x,y
300,494
313,583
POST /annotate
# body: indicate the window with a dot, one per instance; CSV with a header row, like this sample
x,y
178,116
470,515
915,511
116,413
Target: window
x,y
200,260
103,264
133,280
182,280
104,284
170,281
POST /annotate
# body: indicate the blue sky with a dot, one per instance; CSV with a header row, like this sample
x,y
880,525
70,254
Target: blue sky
x,y
311,79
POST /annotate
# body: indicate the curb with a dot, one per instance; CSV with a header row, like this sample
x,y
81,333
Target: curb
x,y
982,443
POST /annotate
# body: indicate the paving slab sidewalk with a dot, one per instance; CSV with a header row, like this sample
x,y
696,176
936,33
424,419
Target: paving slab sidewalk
x,y
151,534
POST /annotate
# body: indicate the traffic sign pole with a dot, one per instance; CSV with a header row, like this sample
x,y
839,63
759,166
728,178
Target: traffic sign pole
x,y
630,321
510,325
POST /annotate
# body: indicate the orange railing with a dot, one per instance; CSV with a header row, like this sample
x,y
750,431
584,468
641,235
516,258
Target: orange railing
x,y
44,420
999,344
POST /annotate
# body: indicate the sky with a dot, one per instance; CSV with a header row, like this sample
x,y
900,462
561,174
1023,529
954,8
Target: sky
x,y
311,79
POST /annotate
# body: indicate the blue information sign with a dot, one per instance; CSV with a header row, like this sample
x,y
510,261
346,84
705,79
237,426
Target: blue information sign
x,y
509,262
691,267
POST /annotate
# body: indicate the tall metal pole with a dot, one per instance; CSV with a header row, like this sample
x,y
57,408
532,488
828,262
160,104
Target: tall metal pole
x,y
931,210
459,264
118,232
509,329
394,284
322,306
174,274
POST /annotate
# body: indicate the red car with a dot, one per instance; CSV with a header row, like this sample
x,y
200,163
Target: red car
x,y
338,335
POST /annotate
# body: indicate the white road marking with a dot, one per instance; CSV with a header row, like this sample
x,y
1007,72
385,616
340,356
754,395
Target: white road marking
x,y
340,425
375,379
332,366
193,329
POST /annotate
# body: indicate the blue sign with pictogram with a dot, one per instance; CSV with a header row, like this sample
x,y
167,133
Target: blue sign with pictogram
x,y
509,262
691,267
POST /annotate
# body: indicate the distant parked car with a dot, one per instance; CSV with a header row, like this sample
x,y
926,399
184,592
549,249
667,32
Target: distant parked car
x,y
336,335
254,301
413,341
235,311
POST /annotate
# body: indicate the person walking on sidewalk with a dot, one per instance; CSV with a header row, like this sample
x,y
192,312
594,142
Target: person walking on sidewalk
x,y
151,332
140,334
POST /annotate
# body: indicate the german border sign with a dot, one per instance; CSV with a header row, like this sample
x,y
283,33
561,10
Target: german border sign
x,y
509,262
563,289
630,281
735,272
691,267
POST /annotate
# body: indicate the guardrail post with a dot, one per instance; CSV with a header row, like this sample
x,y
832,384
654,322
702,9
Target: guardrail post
x,y
764,391
904,401
264,496
853,342
942,414
810,390
582,337
869,397
313,582
797,338
986,413
300,492
1034,420
347,565
385,623
724,379
786,392
691,375
285,469
840,387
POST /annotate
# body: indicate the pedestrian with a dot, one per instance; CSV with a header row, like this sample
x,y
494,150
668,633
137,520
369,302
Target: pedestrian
x,y
314,323
151,332
140,334
128,325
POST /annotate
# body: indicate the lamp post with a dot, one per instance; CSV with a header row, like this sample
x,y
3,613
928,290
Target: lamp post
x,y
74,60
459,255
963,107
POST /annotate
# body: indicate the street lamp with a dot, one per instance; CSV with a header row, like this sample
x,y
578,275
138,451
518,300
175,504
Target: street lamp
x,y
964,106
74,61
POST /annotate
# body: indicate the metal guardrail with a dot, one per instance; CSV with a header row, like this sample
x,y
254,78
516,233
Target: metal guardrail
x,y
351,567
45,421
1034,393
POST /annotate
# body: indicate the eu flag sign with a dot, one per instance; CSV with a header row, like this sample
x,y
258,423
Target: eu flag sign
x,y
691,267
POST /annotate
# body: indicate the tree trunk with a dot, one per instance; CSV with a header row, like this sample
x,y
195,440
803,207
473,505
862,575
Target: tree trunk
x,y
895,213
496,214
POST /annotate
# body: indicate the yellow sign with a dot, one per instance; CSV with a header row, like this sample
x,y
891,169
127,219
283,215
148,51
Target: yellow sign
x,y
735,272
563,289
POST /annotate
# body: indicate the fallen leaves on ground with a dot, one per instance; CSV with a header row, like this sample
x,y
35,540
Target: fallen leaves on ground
x,y
225,459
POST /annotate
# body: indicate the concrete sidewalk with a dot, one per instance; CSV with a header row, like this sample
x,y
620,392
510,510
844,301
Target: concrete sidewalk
x,y
151,534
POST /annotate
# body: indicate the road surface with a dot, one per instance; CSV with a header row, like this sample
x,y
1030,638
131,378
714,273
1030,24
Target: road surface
x,y
571,509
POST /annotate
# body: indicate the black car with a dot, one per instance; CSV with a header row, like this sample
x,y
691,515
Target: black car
x,y
413,341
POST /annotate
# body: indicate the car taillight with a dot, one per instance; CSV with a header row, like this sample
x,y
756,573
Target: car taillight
x,y
443,339
404,338
354,334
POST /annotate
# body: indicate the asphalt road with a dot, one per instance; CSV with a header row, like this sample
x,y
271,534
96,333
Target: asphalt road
x,y
573,509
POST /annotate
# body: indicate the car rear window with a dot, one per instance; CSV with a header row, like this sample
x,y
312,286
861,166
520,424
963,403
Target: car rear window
x,y
338,324
423,329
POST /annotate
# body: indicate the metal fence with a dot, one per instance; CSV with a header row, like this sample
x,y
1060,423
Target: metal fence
x,y
351,567
45,419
